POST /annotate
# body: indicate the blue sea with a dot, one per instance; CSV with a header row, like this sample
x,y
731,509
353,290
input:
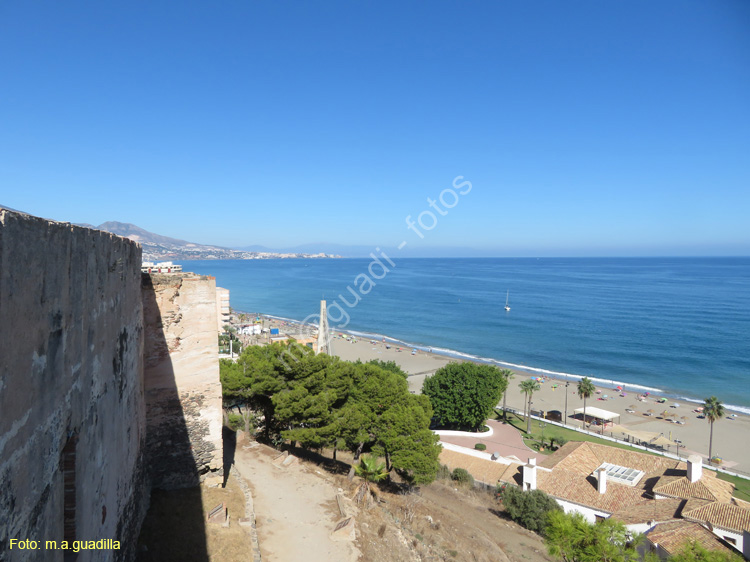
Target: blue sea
x,y
676,326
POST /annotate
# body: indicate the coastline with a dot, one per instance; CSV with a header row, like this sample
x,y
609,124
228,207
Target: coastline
x,y
454,355
693,432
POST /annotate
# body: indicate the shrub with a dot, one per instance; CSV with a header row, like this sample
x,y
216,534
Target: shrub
x,y
480,447
463,395
444,473
528,509
235,422
560,441
462,476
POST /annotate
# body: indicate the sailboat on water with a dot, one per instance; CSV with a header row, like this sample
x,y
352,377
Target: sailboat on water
x,y
507,306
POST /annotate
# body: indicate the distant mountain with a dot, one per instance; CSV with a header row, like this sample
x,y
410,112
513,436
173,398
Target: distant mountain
x,y
140,235
158,248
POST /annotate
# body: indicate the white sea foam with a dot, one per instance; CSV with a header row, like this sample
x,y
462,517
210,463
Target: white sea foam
x,y
740,409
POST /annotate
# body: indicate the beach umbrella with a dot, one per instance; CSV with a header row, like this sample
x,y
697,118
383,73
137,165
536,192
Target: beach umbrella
x,y
660,441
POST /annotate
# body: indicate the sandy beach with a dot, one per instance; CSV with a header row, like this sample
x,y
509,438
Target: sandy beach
x,y
730,432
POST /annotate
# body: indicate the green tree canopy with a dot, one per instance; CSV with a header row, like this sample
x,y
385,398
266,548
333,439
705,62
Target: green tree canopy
x,y
322,401
574,539
694,552
529,387
391,366
529,509
463,395
507,375
713,410
586,389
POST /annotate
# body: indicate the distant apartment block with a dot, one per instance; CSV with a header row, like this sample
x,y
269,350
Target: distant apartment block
x,y
222,308
160,267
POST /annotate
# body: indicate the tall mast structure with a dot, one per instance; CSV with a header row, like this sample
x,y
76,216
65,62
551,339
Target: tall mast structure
x,y
324,334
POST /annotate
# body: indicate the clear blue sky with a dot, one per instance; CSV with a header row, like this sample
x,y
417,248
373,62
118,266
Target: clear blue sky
x,y
586,128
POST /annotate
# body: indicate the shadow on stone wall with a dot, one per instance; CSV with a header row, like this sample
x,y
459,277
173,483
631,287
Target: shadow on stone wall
x,y
229,439
175,527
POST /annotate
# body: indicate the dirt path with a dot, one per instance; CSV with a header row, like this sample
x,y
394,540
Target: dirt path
x,y
294,509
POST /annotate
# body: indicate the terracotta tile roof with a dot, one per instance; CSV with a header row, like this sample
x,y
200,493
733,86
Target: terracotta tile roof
x,y
582,490
691,504
489,472
575,456
673,536
584,458
682,488
649,510
571,479
725,515
707,488
568,476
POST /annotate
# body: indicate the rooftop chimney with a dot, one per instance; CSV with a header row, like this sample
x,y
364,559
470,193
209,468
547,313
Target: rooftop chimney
x,y
694,468
529,475
601,476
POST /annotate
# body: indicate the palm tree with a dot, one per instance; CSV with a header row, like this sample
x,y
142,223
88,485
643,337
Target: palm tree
x,y
713,410
507,374
585,389
370,470
528,387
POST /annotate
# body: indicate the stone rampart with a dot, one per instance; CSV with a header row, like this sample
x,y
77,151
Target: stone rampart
x,y
182,378
72,408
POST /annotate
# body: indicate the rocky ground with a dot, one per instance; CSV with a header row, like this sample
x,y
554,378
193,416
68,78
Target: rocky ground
x,y
296,511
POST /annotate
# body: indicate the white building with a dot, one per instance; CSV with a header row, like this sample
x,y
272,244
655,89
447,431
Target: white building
x,y
161,267
222,308
670,501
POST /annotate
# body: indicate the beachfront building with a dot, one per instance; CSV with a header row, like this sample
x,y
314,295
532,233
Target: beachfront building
x,y
658,496
160,267
669,501
222,308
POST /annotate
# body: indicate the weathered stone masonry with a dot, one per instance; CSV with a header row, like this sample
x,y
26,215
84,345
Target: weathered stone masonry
x,y
182,378
103,374
71,343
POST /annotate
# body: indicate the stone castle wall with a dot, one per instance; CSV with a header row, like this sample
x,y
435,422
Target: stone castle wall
x,y
182,378
72,409
109,384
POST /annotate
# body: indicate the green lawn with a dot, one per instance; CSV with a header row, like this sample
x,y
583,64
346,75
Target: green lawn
x,y
742,486
532,440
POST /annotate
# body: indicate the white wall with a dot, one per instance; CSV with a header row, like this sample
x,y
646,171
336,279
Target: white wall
x,y
589,513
